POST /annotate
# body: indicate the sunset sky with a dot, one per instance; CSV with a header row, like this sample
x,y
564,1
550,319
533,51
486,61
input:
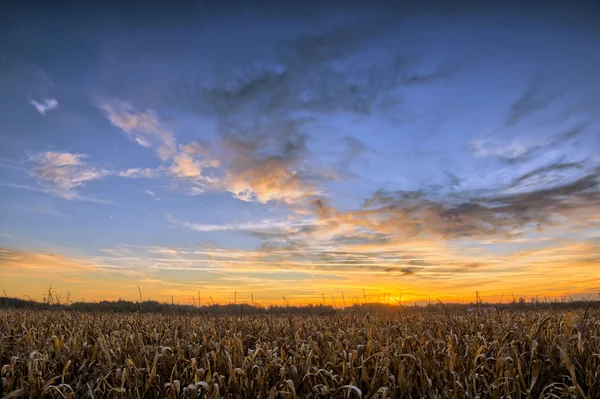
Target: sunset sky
x,y
300,149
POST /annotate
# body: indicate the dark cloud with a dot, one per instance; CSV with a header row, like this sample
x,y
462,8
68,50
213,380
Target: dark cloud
x,y
350,150
557,141
391,262
353,147
533,100
309,75
545,170
454,180
494,213
322,208
310,50
260,113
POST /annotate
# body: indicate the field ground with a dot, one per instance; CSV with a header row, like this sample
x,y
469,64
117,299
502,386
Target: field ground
x,y
548,354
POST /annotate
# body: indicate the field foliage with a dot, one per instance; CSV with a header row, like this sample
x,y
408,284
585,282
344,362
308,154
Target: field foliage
x,y
549,354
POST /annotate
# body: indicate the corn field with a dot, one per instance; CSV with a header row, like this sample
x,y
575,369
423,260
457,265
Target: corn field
x,y
65,354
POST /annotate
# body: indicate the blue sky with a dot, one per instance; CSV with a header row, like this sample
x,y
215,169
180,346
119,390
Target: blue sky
x,y
428,150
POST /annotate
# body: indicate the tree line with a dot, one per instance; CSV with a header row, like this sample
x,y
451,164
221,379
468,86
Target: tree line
x,y
151,306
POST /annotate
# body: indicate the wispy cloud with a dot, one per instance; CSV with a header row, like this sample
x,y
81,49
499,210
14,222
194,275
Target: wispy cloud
x,y
507,150
185,162
65,172
143,127
40,209
266,225
152,194
143,173
23,260
268,272
534,99
415,267
12,164
46,105
72,196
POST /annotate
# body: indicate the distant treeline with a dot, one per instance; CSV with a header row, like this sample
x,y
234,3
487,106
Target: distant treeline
x,y
150,306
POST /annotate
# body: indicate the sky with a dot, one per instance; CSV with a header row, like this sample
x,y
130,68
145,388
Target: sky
x,y
256,151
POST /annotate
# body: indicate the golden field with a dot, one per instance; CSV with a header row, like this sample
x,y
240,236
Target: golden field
x,y
67,354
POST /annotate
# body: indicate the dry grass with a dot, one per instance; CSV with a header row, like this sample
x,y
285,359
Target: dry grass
x,y
68,354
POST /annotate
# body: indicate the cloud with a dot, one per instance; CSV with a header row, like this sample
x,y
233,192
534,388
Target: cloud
x,y
410,267
41,209
269,179
11,164
143,127
141,173
533,100
262,167
261,153
152,194
41,261
395,230
185,166
65,172
338,70
494,212
546,175
523,150
71,196
292,259
336,242
267,226
511,151
253,165
186,162
31,272
47,104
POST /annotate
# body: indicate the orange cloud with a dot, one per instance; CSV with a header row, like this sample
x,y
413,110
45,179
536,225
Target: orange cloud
x,y
415,272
